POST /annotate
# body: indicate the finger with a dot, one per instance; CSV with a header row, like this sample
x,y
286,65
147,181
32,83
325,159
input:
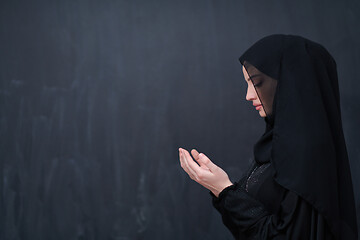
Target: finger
x,y
192,164
195,154
182,161
185,165
207,162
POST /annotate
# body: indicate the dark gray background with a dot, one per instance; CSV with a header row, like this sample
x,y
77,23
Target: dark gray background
x,y
97,96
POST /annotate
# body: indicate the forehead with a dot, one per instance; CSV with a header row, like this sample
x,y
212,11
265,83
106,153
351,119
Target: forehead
x,y
244,72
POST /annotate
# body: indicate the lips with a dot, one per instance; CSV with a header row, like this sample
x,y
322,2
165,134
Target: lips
x,y
257,106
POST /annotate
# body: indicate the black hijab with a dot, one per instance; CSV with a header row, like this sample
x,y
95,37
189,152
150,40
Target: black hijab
x,y
296,81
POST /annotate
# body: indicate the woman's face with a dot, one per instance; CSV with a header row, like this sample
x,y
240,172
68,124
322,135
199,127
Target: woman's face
x,y
251,94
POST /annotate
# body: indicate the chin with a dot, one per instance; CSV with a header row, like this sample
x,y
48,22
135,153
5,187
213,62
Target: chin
x,y
262,114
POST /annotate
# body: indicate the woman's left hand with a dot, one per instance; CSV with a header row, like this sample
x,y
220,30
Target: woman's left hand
x,y
207,174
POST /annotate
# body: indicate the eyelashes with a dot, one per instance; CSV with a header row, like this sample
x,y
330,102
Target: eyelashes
x,y
257,84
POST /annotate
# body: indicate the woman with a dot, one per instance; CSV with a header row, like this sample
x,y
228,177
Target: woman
x,y
299,186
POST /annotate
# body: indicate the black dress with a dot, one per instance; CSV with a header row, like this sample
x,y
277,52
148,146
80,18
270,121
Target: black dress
x,y
256,207
310,192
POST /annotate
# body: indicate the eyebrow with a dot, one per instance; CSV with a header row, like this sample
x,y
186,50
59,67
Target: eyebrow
x,y
256,75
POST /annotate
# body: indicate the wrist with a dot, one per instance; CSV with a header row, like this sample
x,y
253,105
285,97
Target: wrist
x,y
227,184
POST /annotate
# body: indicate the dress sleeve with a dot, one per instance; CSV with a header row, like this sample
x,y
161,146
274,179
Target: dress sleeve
x,y
247,218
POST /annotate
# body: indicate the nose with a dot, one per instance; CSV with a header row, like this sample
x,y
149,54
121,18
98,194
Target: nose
x,y
251,93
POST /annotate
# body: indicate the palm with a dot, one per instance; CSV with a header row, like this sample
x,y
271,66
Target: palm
x,y
205,172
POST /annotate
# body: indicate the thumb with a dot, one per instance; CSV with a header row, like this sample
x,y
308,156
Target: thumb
x,y
207,162
195,155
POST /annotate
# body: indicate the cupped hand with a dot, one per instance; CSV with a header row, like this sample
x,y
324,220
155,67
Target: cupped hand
x,y
205,172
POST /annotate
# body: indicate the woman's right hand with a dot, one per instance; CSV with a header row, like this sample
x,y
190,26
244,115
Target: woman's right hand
x,y
207,174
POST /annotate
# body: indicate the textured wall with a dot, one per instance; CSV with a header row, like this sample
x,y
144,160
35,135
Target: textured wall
x,y
97,96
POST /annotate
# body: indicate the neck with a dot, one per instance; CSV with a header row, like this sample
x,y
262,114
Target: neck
x,y
269,120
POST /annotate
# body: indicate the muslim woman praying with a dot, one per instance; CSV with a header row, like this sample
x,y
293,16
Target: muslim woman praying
x,y
299,185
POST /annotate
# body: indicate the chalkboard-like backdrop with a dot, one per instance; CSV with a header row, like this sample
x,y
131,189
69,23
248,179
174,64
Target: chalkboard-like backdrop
x,y
97,96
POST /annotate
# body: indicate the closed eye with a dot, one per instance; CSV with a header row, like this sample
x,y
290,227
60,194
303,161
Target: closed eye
x,y
258,84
